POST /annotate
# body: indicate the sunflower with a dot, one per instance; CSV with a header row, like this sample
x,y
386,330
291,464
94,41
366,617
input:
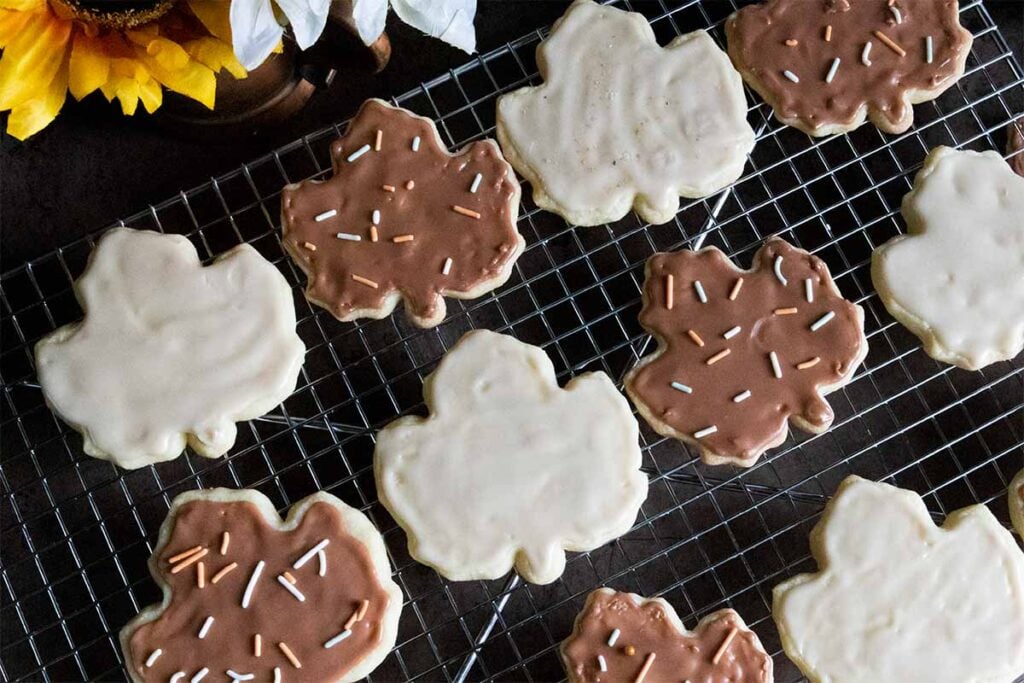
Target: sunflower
x,y
53,47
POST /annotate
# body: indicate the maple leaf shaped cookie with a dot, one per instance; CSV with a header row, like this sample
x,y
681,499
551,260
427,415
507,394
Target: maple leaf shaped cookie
x,y
1015,498
897,598
170,351
619,635
741,352
957,279
249,596
509,469
825,66
401,219
621,122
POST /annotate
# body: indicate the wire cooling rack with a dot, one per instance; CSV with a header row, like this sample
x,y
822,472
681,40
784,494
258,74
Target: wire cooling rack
x,y
76,532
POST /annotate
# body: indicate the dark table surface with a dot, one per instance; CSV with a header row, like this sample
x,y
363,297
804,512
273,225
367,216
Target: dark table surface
x,y
93,166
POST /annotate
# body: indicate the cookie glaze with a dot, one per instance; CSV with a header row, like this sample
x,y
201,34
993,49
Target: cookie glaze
x,y
621,122
1015,145
237,536
396,208
897,598
704,367
720,650
1015,498
805,37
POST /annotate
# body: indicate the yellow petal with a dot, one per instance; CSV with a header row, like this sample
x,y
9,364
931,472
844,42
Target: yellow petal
x,y
128,94
194,80
11,24
32,59
215,54
214,15
152,94
169,54
89,67
24,5
31,116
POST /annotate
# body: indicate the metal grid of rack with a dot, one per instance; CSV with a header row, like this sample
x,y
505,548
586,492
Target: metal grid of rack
x,y
76,532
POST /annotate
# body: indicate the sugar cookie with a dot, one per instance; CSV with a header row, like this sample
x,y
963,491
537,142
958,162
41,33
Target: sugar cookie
x,y
509,469
1015,498
170,351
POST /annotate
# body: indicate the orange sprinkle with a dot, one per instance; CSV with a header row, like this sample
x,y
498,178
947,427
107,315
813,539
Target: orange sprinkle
x,y
183,555
403,238
410,184
718,356
809,363
191,559
466,212
792,42
290,655
669,293
291,579
351,620
695,337
220,575
890,43
377,141
786,311
648,663
225,539
373,233
365,281
828,33
257,645
736,289
629,650
388,188
309,245
363,606
201,575
724,646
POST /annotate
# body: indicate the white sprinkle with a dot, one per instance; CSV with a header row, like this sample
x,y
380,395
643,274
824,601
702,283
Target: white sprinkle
x,y
310,553
277,674
348,236
613,637
929,50
778,271
322,559
707,431
251,586
447,266
832,70
679,386
822,321
376,216
416,144
321,217
700,291
153,656
476,183
776,368
337,639
864,54
741,397
176,676
206,627
359,152
291,589
240,677
896,14
200,675
601,663
809,290
732,332
791,76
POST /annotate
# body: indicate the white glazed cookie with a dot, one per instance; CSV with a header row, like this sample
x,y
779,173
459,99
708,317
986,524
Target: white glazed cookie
x,y
957,279
621,122
509,469
1016,501
170,351
897,598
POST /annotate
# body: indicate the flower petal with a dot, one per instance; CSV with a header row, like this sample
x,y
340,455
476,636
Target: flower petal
x,y
194,80
369,17
307,19
31,116
254,31
449,20
214,15
24,5
152,94
215,54
89,67
32,59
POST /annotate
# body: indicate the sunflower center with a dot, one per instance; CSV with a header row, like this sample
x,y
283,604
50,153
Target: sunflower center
x,y
113,14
